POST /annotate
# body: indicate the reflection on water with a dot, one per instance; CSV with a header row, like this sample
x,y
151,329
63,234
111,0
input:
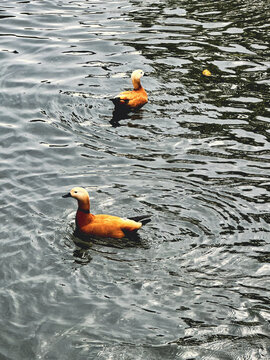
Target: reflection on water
x,y
195,285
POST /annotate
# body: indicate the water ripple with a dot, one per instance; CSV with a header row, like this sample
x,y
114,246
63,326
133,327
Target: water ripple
x,y
195,284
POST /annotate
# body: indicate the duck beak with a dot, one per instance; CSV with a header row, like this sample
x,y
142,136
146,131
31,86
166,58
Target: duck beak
x,y
67,195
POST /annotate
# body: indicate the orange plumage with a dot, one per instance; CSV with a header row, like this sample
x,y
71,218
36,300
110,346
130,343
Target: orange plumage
x,y
102,225
134,99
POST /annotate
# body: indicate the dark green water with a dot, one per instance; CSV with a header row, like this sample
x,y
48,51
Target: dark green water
x,y
196,158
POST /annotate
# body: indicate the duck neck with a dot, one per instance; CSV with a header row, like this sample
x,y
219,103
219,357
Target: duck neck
x,y
84,206
83,216
136,83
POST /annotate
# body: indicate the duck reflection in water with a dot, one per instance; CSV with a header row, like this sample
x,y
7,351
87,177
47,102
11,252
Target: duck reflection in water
x,y
117,116
86,246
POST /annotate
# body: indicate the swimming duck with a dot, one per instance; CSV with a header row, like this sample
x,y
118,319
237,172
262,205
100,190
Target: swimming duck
x,y
102,225
134,99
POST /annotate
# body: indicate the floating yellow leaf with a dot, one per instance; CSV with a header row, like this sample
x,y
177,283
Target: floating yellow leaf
x,y
206,72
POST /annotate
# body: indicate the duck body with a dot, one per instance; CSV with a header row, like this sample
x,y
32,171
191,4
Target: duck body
x,y
133,99
102,225
108,226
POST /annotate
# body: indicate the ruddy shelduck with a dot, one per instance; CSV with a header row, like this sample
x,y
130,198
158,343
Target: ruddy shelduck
x,y
134,99
105,226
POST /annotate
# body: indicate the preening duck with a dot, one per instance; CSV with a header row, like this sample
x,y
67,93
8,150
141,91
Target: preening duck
x,y
134,99
102,225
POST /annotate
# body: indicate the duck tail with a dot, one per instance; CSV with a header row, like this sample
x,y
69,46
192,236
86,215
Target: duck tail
x,y
115,100
118,101
144,219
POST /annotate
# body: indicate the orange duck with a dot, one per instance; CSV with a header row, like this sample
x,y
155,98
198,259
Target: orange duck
x,y
107,226
134,99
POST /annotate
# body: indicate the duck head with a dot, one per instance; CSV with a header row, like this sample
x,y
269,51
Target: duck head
x,y
81,195
136,78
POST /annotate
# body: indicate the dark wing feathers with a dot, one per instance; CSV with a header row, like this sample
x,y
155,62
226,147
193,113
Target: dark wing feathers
x,y
116,101
144,219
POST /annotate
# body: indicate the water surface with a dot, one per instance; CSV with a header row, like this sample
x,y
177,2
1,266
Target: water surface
x,y
196,157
